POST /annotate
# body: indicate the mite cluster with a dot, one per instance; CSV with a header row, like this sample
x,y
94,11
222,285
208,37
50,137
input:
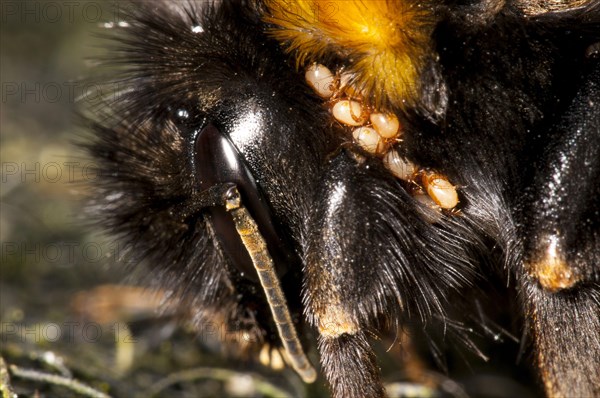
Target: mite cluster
x,y
379,133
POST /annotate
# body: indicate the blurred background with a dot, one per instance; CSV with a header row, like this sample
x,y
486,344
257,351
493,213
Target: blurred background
x,y
66,329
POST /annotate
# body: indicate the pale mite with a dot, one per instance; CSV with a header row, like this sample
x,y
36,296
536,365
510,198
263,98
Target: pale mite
x,y
440,190
320,78
375,133
401,168
349,113
386,124
368,139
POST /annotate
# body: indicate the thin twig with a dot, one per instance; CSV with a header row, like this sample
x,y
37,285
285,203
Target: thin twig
x,y
58,380
262,386
53,360
406,390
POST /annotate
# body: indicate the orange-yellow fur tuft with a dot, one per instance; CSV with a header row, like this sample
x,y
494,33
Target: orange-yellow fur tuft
x,y
385,43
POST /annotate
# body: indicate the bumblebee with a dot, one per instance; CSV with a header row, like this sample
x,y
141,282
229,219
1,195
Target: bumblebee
x,y
327,171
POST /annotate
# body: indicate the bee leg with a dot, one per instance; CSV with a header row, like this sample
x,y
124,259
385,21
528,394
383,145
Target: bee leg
x,y
561,237
337,282
349,366
347,360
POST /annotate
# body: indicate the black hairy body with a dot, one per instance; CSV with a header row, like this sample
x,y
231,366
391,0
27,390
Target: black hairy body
x,y
520,136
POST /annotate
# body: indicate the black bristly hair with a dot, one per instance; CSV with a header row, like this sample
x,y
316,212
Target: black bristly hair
x,y
366,257
173,82
144,151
